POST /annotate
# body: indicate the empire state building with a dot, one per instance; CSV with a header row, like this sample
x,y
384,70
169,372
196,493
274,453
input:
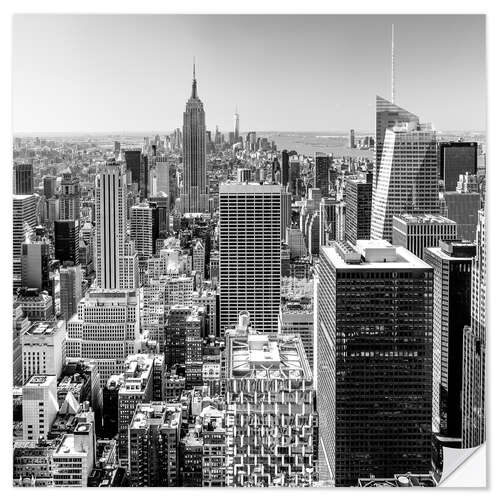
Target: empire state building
x,y
194,195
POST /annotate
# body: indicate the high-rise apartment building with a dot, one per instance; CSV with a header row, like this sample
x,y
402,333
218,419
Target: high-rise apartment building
x,y
408,177
374,362
69,199
194,195
474,349
455,159
358,208
236,126
452,262
271,414
115,262
105,329
23,178
250,254
418,232
153,437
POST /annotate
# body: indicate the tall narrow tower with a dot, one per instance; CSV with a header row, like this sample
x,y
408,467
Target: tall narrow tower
x,y
236,125
194,196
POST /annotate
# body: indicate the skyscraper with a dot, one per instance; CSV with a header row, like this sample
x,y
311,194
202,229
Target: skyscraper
x,y
374,361
71,290
474,349
194,196
236,126
321,170
115,261
67,241
451,262
24,221
388,114
69,200
250,254
455,159
23,178
358,208
408,177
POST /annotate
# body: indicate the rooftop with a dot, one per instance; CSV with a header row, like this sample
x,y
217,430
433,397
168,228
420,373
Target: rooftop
x,y
40,381
373,254
46,328
424,219
157,413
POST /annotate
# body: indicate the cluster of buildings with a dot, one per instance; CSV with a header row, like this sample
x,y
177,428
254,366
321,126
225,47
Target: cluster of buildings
x,y
214,313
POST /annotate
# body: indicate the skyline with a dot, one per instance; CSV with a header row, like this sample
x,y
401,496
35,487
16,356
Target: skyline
x,y
119,100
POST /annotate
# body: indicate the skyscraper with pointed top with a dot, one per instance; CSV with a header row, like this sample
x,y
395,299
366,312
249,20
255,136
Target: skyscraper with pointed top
x,y
236,125
194,195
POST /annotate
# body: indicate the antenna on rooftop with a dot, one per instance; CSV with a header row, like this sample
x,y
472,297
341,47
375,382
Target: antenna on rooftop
x,y
392,64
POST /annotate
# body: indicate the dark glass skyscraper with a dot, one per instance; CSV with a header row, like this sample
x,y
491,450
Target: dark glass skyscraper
x,y
322,166
452,262
456,158
194,195
358,208
374,362
67,241
23,178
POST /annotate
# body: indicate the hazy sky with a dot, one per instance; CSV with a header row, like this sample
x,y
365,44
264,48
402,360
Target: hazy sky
x,y
100,73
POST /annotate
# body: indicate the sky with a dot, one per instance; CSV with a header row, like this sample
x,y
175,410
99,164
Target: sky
x,y
117,73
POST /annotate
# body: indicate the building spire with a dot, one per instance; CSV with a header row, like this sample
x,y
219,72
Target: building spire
x,y
393,90
194,92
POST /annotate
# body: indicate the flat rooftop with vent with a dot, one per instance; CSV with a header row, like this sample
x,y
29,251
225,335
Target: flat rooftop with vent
x,y
371,254
257,356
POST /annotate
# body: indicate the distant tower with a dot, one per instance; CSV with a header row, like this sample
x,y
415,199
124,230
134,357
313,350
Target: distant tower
x,y
236,125
194,196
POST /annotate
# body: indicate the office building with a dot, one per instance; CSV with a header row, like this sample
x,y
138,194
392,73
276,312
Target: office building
x,y
388,115
49,186
44,349
67,241
408,177
474,349
154,436
296,318
35,265
236,126
452,262
142,231
105,329
39,406
116,262
250,254
455,159
462,206
69,199
374,362
322,164
269,397
23,178
352,139
194,195
24,214
358,208
71,290
418,232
